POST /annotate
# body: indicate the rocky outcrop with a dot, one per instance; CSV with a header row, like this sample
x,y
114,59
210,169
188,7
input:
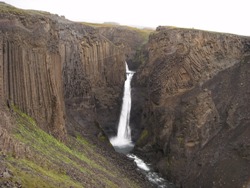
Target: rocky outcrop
x,y
129,39
31,76
47,62
93,76
106,102
195,110
8,144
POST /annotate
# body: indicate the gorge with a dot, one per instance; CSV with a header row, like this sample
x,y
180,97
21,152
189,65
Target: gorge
x,y
122,142
61,89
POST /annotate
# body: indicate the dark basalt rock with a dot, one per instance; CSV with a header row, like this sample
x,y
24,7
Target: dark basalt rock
x,y
48,62
195,111
69,78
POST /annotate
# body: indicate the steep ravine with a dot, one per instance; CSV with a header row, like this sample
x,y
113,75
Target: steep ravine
x,y
194,107
56,79
132,42
60,94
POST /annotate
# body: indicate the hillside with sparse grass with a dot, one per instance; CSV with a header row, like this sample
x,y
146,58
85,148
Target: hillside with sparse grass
x,y
30,157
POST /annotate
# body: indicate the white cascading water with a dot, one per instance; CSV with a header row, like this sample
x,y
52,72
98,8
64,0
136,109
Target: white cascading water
x,y
123,137
123,143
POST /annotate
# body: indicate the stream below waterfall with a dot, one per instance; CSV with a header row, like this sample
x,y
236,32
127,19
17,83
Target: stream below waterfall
x,y
122,143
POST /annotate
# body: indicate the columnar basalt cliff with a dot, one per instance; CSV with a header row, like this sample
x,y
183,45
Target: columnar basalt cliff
x,y
129,39
60,94
45,58
195,110
93,76
31,76
57,77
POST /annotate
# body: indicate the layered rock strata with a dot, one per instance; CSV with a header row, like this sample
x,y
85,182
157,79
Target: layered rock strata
x,y
195,107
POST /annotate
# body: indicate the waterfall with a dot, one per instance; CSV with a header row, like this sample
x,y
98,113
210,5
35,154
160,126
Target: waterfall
x,y
123,138
122,141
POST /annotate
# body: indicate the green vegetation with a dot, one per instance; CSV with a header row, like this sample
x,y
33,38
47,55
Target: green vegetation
x,y
51,163
40,176
99,24
143,136
144,32
180,141
5,8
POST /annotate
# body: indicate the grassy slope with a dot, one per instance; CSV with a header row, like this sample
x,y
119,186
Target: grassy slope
x,y
50,163
5,8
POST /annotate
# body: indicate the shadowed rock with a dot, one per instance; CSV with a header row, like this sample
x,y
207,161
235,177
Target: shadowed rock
x,y
195,107
47,62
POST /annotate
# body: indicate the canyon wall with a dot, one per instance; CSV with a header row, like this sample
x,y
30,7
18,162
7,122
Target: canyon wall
x,y
31,71
60,82
93,77
195,107
129,39
107,101
47,62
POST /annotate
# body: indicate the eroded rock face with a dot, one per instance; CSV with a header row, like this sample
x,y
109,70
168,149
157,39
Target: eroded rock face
x,y
129,39
93,76
195,110
48,62
31,70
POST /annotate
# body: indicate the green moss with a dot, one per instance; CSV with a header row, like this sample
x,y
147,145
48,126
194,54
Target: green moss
x,y
99,24
5,8
53,158
83,141
102,138
180,140
42,142
143,136
33,175
144,32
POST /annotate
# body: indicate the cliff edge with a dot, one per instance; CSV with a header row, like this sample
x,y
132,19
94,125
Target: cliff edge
x,y
194,113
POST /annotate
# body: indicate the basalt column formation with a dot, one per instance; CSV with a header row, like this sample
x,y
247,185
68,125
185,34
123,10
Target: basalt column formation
x,y
47,62
31,76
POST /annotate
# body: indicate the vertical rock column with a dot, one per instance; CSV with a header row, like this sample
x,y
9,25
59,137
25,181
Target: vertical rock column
x,y
1,70
31,79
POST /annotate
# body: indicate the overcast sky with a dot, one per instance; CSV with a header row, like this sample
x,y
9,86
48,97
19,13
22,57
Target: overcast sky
x,y
232,16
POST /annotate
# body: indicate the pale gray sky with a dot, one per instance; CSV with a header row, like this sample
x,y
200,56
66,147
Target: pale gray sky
x,y
232,16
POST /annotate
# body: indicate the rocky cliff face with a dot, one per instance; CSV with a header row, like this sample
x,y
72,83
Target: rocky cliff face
x,y
31,76
107,101
58,78
47,62
195,107
129,39
93,76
